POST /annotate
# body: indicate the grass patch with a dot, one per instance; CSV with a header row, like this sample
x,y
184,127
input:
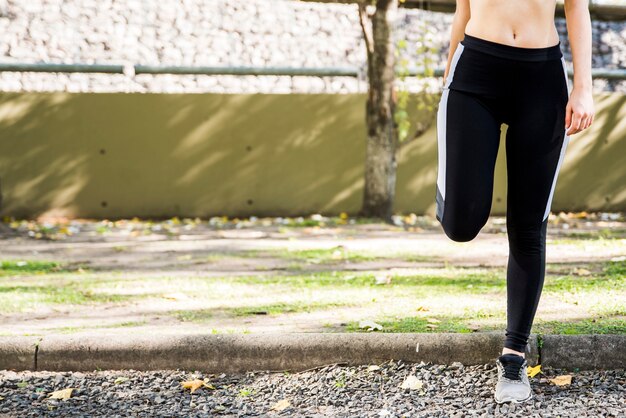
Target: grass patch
x,y
613,277
200,315
450,280
418,258
17,268
598,325
286,308
337,254
203,315
615,269
416,324
28,295
71,330
459,324
604,233
340,254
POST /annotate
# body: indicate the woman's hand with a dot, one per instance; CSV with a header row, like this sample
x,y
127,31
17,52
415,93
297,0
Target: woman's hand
x,y
579,112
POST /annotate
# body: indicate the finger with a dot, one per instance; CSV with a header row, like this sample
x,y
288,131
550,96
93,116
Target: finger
x,y
587,121
575,125
590,121
568,116
579,122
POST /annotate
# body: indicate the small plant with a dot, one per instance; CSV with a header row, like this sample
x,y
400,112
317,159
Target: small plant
x,y
340,382
245,392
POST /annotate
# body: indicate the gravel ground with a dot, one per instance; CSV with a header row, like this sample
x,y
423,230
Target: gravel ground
x,y
447,391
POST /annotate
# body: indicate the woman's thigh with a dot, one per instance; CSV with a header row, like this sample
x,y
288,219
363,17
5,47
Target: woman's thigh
x,y
468,134
536,142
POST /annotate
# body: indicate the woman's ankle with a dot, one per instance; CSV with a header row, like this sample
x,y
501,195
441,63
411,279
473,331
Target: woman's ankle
x,y
507,350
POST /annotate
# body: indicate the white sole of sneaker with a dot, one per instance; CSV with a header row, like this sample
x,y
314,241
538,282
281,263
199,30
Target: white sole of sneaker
x,y
515,400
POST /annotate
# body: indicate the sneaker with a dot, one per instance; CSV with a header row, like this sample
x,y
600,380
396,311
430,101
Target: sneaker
x,y
513,384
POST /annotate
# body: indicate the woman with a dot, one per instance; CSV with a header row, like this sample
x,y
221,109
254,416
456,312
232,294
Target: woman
x,y
505,67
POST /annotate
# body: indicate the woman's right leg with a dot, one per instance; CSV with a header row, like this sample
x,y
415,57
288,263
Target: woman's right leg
x,y
468,136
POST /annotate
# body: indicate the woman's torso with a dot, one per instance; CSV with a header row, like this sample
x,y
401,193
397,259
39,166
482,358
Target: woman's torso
x,y
522,23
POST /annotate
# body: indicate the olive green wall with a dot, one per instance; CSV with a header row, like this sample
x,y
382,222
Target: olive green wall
x,y
113,155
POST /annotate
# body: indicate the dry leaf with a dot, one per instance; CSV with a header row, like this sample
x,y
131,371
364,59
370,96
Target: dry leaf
x,y
281,405
373,368
196,384
120,380
421,308
577,215
62,394
532,371
175,296
383,279
562,380
582,272
412,382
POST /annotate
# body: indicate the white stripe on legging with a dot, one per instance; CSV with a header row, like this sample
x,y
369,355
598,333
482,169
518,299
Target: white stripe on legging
x,y
441,123
562,155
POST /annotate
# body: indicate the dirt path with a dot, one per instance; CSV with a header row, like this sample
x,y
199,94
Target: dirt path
x,y
138,262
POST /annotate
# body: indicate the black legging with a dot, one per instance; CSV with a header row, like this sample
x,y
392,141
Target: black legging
x,y
526,88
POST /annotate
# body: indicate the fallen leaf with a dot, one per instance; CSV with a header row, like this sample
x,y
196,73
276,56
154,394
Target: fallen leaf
x,y
562,380
281,405
582,272
383,279
196,384
337,255
421,308
373,368
412,382
62,394
577,215
120,380
532,371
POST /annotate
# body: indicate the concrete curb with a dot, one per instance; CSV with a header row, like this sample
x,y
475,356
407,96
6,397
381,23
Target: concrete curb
x,y
248,352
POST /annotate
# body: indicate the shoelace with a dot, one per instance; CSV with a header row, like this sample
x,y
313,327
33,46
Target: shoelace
x,y
513,371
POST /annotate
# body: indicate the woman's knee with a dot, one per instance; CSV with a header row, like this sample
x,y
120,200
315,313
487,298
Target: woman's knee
x,y
527,238
461,231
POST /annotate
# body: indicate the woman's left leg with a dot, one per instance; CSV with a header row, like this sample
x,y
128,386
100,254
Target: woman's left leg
x,y
536,142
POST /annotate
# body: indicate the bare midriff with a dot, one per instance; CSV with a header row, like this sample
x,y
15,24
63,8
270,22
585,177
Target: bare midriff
x,y
521,23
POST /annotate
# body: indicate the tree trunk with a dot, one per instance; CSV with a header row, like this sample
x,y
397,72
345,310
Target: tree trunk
x,y
382,136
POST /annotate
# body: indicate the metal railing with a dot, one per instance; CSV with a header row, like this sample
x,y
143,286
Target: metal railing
x,y
603,73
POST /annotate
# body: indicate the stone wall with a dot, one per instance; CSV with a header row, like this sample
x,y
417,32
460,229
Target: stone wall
x,y
224,33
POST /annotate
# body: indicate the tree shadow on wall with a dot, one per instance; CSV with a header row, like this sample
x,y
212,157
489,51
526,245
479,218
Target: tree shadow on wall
x,y
112,155
593,175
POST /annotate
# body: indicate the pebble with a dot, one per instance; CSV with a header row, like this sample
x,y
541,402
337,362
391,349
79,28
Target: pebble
x,y
451,391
